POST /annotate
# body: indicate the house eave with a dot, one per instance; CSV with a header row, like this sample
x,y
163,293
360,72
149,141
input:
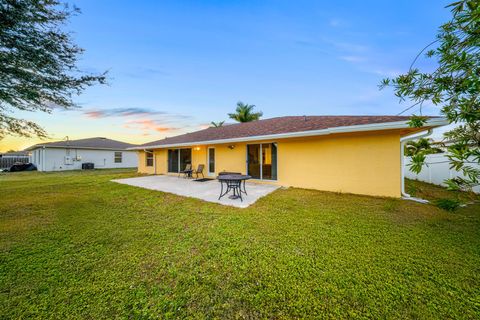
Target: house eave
x,y
42,146
431,123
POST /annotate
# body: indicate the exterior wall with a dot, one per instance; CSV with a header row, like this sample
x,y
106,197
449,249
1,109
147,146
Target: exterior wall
x,y
161,161
233,160
142,164
53,159
362,163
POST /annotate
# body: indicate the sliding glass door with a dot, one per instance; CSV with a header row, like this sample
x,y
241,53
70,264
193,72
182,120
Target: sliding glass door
x,y
253,160
185,158
173,160
262,161
178,159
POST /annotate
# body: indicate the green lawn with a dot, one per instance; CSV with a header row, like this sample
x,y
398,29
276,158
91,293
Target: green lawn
x,y
75,245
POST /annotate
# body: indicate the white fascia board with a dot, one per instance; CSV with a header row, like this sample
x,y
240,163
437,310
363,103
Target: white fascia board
x,y
73,147
437,122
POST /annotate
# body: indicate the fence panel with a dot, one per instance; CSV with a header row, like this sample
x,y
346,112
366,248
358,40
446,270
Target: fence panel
x,y
436,170
7,162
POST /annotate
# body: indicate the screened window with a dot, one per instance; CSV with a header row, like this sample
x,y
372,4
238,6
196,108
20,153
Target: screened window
x,y
149,159
118,157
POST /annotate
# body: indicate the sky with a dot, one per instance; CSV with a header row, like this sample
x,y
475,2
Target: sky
x,y
175,66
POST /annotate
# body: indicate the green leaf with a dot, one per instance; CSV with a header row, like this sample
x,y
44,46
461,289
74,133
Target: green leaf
x,y
417,121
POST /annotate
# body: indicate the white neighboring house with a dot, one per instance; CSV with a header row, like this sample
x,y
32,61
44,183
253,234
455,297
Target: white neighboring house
x,y
71,154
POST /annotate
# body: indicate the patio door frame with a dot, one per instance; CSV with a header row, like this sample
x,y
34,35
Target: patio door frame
x,y
179,150
261,159
208,161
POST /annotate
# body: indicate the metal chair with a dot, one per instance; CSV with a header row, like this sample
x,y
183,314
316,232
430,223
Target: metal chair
x,y
199,171
187,171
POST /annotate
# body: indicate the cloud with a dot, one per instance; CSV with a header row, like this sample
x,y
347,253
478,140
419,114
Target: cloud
x,y
120,112
351,47
385,72
305,42
148,125
146,120
145,73
353,58
205,125
338,23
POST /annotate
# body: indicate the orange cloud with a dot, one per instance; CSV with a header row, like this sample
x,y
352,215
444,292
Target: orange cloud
x,y
147,125
94,114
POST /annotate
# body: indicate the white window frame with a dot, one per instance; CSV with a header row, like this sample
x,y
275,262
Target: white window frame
x,y
208,161
115,157
146,158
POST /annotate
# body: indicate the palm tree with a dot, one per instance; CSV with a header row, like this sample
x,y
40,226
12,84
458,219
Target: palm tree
x,y
217,124
422,145
243,113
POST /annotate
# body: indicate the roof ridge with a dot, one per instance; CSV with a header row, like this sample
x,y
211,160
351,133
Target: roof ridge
x,y
91,143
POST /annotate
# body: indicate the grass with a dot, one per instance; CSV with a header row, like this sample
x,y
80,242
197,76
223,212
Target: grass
x,y
75,245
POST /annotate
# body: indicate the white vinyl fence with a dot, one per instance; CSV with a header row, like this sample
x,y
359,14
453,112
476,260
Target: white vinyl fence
x,y
7,162
436,170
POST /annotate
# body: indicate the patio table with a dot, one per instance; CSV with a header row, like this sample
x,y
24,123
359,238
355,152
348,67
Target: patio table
x,y
233,182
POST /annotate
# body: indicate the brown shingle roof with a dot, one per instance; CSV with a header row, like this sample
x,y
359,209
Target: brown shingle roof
x,y
271,126
89,143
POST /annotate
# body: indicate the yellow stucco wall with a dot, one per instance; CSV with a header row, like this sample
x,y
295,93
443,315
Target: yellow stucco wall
x,y
160,161
233,160
142,168
361,163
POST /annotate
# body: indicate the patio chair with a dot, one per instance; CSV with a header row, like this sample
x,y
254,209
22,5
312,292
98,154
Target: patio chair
x,y
199,170
187,172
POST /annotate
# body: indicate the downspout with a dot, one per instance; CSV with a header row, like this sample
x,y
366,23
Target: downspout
x,y
43,158
154,163
404,140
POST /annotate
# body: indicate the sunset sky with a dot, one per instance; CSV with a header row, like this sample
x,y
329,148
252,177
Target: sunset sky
x,y
174,66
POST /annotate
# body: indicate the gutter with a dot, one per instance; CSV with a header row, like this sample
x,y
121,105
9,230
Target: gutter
x,y
403,141
40,146
435,122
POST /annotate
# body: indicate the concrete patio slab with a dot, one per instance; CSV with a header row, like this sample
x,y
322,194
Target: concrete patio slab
x,y
208,191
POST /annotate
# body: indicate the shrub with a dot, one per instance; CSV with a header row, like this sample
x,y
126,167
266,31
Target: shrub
x,y
447,204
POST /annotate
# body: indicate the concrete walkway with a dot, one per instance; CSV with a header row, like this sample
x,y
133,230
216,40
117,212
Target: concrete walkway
x,y
208,191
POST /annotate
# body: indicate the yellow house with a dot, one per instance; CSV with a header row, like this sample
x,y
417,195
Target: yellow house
x,y
352,154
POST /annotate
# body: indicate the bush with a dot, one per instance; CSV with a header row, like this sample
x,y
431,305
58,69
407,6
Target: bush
x,y
447,204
